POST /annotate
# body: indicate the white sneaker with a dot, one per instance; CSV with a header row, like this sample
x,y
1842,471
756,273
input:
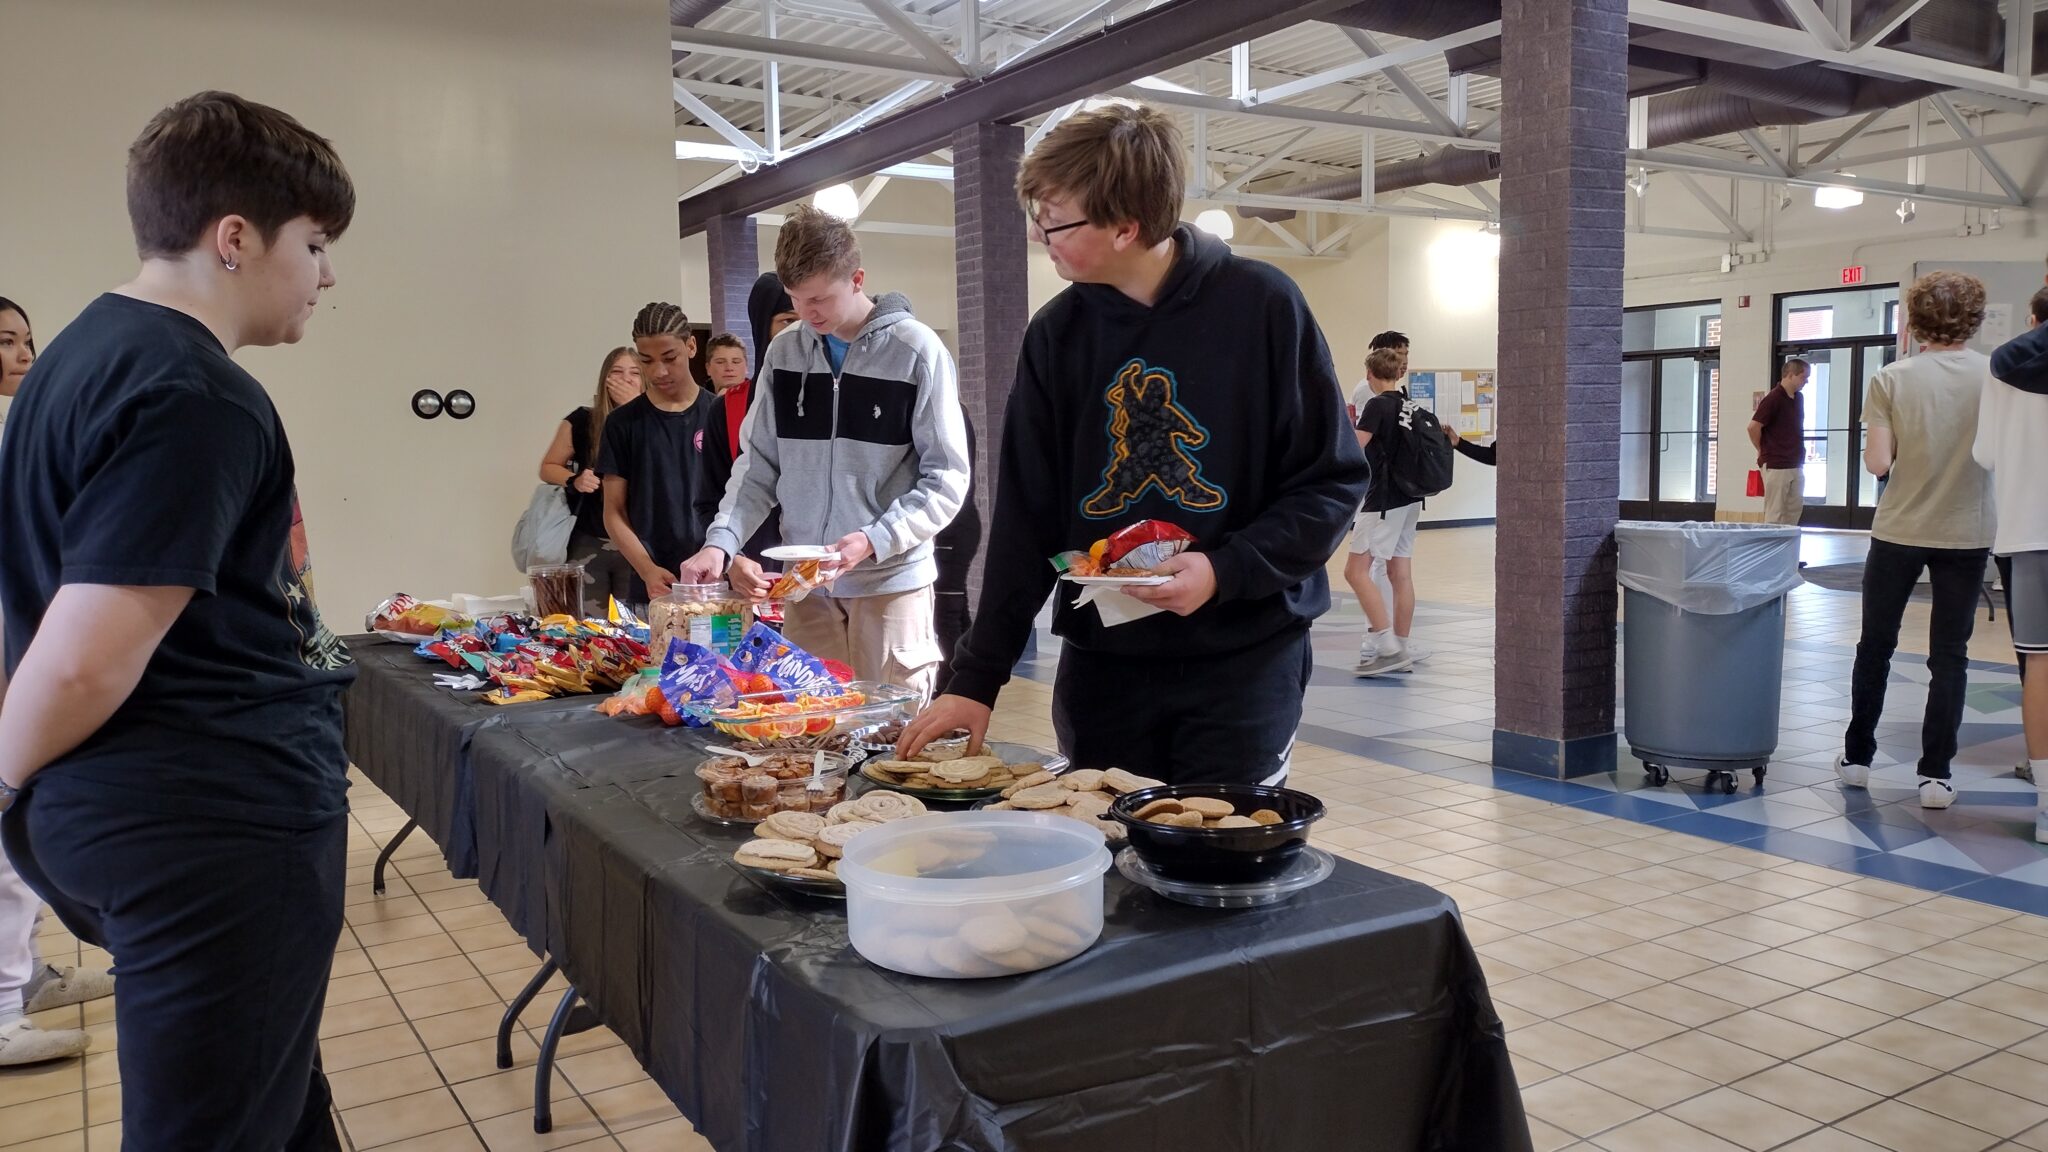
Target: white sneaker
x,y
1936,793
1854,775
1417,650
23,1043
1381,663
62,987
2024,771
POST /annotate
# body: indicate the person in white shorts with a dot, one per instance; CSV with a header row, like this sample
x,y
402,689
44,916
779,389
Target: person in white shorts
x,y
2012,441
1384,533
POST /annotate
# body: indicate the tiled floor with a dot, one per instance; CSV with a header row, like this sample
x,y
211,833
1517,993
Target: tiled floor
x,y
1664,991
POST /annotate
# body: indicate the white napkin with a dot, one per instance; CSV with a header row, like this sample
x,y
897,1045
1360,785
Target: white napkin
x,y
1114,605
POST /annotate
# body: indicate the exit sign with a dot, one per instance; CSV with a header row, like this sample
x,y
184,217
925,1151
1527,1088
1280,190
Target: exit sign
x,y
1853,275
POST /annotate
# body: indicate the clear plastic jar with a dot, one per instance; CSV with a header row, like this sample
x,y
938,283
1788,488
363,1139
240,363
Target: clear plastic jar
x,y
709,615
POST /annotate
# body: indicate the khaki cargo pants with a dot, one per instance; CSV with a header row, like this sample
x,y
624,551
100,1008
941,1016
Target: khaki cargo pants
x,y
889,638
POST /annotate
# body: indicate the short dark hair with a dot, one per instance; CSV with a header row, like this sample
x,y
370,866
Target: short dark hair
x,y
215,154
1389,339
1804,367
724,340
2038,305
7,305
661,319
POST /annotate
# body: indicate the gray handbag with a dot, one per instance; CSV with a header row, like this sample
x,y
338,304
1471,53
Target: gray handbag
x,y
542,534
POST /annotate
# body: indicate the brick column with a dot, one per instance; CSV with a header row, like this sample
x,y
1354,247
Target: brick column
x,y
734,253
989,254
1564,88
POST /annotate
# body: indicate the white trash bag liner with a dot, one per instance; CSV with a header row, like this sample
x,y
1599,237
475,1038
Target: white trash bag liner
x,y
1712,569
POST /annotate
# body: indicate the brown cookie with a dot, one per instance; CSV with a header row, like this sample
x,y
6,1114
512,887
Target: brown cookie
x,y
1209,806
1118,780
1267,816
776,855
790,825
1040,796
1166,806
1235,821
1083,780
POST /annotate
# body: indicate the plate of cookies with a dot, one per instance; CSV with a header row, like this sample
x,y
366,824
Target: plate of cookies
x,y
1084,794
801,850
947,773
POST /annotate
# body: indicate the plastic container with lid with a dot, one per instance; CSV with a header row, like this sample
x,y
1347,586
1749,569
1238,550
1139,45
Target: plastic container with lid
x,y
558,589
974,894
708,615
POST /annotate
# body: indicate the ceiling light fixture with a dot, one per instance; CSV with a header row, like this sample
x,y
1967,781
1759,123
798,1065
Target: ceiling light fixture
x,y
1216,222
1836,196
838,200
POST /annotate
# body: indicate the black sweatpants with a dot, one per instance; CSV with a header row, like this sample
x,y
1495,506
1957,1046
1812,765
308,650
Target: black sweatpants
x,y
222,934
1890,573
1227,719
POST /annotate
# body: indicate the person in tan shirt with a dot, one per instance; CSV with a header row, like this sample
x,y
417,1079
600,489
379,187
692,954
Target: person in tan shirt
x,y
1936,516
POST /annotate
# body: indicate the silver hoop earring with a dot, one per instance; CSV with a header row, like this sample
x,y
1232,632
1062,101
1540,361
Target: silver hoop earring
x,y
228,262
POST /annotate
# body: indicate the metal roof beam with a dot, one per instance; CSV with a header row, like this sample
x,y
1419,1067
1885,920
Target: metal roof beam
x,y
1406,54
901,24
712,120
1409,89
2037,132
1667,161
1835,145
1869,60
1341,207
1296,114
1890,21
740,46
1968,137
1816,22
1735,229
1162,37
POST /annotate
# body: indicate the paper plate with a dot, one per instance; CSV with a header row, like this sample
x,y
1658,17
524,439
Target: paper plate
x,y
793,553
1120,581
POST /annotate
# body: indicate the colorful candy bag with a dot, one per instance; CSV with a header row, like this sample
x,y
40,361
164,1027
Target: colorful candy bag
x,y
692,673
789,668
1134,550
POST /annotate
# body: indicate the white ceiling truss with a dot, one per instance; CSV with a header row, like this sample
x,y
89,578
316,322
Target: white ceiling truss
x,y
772,78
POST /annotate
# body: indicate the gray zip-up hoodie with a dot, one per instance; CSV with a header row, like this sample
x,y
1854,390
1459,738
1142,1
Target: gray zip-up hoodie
x,y
880,448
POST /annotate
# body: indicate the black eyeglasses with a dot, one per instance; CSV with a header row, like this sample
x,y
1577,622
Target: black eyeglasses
x,y
1045,235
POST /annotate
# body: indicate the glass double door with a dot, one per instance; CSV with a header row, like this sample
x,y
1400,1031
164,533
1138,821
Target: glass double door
x,y
1670,435
1839,492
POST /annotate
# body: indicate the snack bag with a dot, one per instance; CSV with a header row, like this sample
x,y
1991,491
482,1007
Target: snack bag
x,y
1141,547
791,669
797,581
690,674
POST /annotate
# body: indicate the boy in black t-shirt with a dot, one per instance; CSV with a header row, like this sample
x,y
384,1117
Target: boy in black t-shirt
x,y
1384,535
1171,381
171,755
652,455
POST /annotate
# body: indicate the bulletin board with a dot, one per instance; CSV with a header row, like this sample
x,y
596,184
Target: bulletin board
x,y
1462,398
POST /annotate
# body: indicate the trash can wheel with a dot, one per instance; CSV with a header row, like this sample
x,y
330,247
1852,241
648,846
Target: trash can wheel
x,y
1721,781
1659,775
1759,773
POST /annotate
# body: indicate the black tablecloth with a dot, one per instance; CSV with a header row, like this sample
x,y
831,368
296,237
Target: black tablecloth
x,y
1355,1016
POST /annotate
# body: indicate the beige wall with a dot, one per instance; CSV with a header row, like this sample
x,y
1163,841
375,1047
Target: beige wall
x,y
1443,290
515,180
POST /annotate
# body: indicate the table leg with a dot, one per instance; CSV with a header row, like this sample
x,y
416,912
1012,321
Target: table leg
x,y
544,1067
518,1006
384,857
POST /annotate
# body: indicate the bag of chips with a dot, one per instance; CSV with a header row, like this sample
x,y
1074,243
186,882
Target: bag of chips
x,y
789,668
692,673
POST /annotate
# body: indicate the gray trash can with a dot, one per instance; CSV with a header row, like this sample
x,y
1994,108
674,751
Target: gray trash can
x,y
1703,644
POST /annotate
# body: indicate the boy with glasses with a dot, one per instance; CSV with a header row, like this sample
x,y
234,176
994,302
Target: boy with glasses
x,y
1172,381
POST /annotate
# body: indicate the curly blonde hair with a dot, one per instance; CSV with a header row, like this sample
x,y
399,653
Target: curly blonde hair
x,y
1945,307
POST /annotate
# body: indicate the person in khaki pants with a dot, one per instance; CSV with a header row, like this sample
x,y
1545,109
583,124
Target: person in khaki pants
x,y
1779,432
858,437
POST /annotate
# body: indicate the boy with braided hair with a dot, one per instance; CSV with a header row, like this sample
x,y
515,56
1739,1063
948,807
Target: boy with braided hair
x,y
651,458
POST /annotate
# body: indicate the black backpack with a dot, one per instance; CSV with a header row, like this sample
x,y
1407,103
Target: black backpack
x,y
1420,458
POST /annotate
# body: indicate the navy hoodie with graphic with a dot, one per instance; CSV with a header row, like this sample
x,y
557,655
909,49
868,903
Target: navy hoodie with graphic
x,y
1217,409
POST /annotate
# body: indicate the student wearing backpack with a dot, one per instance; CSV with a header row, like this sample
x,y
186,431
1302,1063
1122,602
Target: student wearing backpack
x,y
1411,459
